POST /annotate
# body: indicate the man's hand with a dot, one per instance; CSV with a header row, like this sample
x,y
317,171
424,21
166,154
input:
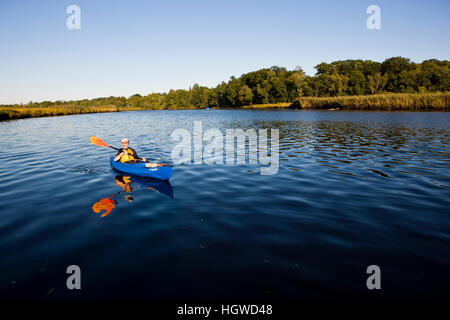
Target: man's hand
x,y
143,159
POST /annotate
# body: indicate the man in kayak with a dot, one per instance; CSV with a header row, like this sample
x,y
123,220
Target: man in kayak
x,y
129,155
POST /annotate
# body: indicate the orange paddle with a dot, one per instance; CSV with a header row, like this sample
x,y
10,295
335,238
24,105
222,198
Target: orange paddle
x,y
100,143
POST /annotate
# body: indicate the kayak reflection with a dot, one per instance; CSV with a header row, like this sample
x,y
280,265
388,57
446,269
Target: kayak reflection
x,y
159,186
125,182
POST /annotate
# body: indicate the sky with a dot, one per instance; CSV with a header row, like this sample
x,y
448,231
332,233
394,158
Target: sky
x,y
137,46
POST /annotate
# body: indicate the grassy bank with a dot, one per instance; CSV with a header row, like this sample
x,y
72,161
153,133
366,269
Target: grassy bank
x,y
439,101
11,113
269,105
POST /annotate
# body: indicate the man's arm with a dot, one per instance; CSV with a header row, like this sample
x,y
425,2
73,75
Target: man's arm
x,y
136,155
119,155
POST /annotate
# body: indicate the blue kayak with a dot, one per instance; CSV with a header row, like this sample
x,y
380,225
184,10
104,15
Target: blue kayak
x,y
139,169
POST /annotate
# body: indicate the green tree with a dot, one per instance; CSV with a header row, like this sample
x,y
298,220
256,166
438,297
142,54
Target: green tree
x,y
377,82
295,83
398,72
245,96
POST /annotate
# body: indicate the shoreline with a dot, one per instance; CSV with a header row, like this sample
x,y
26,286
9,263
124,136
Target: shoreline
x,y
439,101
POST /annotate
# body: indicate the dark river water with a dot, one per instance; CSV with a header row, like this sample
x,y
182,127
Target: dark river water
x,y
353,189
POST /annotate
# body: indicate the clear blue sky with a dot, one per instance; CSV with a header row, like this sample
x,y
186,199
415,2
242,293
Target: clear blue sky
x,y
127,47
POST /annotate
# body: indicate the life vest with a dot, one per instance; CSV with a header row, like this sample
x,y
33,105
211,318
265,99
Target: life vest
x,y
128,157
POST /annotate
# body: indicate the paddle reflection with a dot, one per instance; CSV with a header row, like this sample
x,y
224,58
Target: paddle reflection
x,y
106,205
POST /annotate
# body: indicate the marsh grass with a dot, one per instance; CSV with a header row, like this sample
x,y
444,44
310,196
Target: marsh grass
x,y
10,113
269,105
438,101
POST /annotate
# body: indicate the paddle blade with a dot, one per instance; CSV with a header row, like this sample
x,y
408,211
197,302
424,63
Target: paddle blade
x,y
98,142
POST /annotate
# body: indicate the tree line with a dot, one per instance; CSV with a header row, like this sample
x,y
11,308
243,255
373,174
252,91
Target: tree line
x,y
277,85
